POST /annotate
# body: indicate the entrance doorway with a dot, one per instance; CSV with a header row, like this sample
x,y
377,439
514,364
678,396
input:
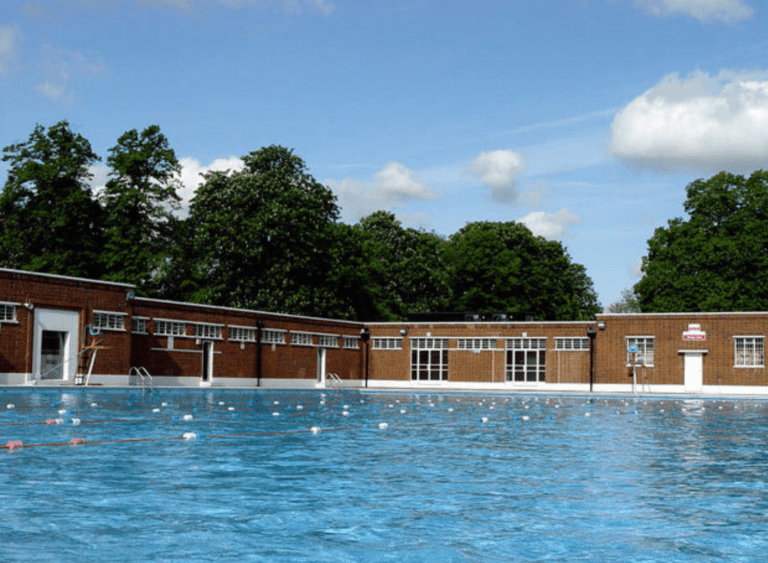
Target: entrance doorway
x,y
207,369
694,370
55,345
321,367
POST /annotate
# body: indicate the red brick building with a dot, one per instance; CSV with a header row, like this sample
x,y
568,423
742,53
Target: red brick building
x,y
56,330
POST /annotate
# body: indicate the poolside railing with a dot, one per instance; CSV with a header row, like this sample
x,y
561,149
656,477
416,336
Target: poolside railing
x,y
142,375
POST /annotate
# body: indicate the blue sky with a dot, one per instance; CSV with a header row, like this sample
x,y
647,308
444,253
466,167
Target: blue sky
x,y
584,119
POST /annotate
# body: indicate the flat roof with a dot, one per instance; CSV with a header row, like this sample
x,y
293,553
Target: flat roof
x,y
235,309
69,278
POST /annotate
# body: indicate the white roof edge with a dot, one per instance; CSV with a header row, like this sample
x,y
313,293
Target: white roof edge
x,y
224,308
480,323
689,314
70,278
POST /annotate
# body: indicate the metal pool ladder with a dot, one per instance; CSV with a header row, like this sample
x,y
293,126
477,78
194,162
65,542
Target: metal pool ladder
x,y
147,381
334,380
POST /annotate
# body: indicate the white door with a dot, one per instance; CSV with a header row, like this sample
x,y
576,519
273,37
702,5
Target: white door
x,y
207,371
694,372
321,367
55,345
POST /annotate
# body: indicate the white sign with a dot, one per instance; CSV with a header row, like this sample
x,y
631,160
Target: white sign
x,y
694,332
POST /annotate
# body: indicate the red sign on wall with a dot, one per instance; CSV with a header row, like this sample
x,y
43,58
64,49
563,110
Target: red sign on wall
x,y
694,332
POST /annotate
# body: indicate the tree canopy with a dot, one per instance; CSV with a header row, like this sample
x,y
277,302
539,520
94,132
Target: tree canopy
x,y
404,267
138,201
262,235
265,237
717,259
504,267
49,221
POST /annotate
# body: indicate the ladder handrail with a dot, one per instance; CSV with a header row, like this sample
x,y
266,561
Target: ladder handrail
x,y
333,379
144,375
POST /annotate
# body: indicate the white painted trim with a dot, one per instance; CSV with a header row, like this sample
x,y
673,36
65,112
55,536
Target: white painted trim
x,y
277,317
58,277
485,323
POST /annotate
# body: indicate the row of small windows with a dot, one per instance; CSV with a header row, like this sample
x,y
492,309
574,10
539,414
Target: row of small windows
x,y
164,327
392,343
525,356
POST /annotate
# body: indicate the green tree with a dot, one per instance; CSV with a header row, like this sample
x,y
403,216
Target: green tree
x,y
717,259
138,201
49,222
404,268
263,238
627,304
504,267
350,279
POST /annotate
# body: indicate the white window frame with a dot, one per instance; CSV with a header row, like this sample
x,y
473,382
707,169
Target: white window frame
x,y
299,338
387,343
8,312
429,343
139,325
429,359
207,331
476,344
328,340
273,336
351,342
526,360
572,343
749,356
109,320
643,353
177,328
242,333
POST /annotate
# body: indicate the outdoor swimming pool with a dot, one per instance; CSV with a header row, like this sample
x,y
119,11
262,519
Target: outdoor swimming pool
x,y
399,477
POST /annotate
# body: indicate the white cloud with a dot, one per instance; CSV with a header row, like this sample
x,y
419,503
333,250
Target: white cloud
x,y
498,170
401,184
727,11
699,123
10,36
191,176
636,269
390,186
59,66
552,226
99,176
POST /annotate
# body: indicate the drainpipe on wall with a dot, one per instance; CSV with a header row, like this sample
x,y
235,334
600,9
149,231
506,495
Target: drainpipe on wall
x,y
259,326
365,336
591,333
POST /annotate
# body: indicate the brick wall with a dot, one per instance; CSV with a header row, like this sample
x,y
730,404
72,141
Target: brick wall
x,y
235,359
485,365
65,294
669,363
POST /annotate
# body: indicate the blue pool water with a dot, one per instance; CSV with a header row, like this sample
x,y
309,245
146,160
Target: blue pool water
x,y
451,478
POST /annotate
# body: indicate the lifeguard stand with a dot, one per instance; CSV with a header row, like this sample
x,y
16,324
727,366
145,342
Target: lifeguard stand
x,y
634,363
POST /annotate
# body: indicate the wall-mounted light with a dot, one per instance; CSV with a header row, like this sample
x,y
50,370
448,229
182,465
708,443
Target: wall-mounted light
x,y
365,334
29,306
601,325
403,331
